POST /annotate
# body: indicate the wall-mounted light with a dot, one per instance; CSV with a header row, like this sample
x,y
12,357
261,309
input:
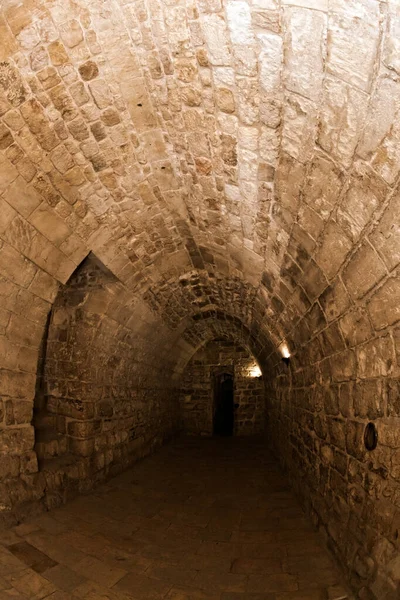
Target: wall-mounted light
x,y
285,353
255,371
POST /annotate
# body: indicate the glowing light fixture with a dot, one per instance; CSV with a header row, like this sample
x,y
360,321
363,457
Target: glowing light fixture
x,y
255,371
285,353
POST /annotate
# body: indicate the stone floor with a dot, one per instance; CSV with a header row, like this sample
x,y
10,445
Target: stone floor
x,y
203,519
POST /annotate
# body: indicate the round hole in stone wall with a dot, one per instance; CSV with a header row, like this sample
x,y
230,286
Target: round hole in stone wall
x,y
370,437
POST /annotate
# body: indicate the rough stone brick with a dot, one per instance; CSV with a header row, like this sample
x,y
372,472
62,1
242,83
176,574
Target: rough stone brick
x,y
383,307
234,168
364,270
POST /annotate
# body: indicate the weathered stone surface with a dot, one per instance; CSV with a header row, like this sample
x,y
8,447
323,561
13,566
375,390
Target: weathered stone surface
x,y
304,65
354,38
89,70
234,166
364,270
343,120
383,307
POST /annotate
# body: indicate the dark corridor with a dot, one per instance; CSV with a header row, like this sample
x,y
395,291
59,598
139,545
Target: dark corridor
x,y
223,404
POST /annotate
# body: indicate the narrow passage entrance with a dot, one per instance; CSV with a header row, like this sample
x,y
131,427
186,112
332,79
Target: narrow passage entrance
x,y
224,405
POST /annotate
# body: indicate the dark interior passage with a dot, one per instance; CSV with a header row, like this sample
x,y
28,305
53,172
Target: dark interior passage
x,y
224,405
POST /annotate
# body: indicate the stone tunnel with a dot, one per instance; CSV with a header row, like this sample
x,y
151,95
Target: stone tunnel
x,y
192,191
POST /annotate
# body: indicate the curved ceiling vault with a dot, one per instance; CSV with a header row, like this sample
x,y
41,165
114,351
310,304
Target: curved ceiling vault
x,y
216,155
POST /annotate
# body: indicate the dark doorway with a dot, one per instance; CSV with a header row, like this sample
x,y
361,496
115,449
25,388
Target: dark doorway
x,y
223,404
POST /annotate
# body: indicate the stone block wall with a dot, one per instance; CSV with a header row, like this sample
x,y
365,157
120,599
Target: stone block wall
x,y
343,375
238,159
197,389
101,399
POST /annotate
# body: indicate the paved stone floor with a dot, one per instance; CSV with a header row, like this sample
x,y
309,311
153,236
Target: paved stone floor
x,y
202,519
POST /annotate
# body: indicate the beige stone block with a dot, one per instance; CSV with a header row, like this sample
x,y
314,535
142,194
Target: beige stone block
x,y
44,286
154,145
375,358
305,51
100,93
79,129
79,93
248,102
387,158
300,126
270,60
334,300
343,119
288,186
31,583
6,138
8,42
384,306
38,124
84,447
225,100
71,33
390,56
266,19
386,234
18,412
389,433
62,159
16,441
217,40
343,366
353,35
334,248
242,38
14,120
24,332
363,271
58,54
382,113
139,104
46,220
27,169
7,214
356,327
63,102
14,266
110,117
269,145
8,173
365,194
74,248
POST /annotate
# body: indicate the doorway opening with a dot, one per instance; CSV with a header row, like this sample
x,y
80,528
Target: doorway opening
x,y
223,404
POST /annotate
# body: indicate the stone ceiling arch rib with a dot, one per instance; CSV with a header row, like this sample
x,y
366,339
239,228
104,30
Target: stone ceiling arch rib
x,y
212,325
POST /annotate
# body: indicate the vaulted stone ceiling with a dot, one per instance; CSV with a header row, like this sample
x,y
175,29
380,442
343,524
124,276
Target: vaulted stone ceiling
x,y
230,155
234,166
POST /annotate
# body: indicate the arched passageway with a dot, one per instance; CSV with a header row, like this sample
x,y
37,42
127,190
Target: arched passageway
x,y
174,172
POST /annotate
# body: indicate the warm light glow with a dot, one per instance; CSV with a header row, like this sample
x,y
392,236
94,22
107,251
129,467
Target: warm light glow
x,y
255,371
285,351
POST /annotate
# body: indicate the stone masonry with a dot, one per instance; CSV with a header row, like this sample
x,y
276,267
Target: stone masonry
x,y
198,383
174,172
